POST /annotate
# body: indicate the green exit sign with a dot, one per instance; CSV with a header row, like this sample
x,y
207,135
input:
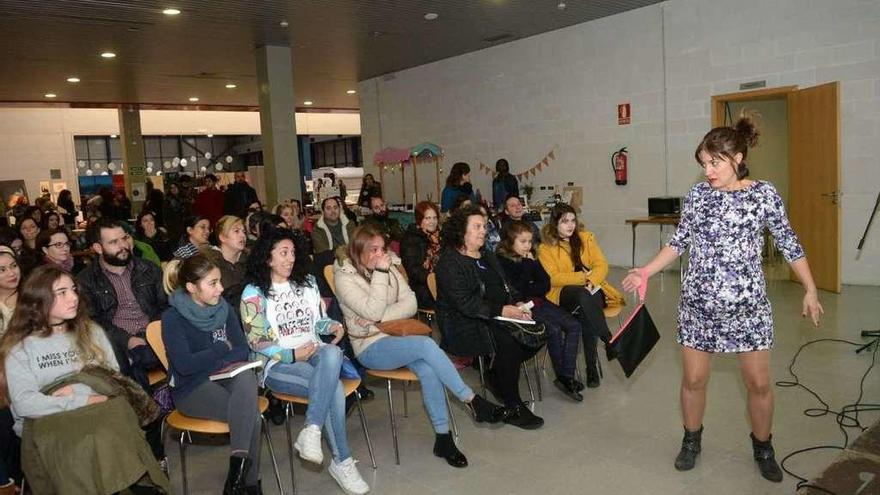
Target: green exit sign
x,y
137,170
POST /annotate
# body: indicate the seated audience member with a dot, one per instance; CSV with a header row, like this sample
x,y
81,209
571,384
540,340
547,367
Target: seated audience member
x,y
203,335
197,230
517,258
29,256
125,294
493,234
209,201
369,189
514,212
230,256
420,251
331,231
51,220
460,202
10,445
110,455
149,232
371,291
55,246
458,183
379,217
578,271
283,317
11,238
66,207
472,291
285,211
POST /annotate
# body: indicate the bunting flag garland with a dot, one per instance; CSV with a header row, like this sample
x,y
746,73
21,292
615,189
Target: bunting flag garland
x,y
533,170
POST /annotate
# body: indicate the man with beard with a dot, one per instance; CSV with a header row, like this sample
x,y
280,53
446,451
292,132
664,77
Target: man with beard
x,y
389,226
125,294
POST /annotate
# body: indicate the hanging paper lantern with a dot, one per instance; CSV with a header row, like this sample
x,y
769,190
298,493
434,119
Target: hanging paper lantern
x,y
183,162
149,170
149,164
104,173
228,159
192,159
97,165
203,168
208,155
111,166
159,173
167,164
175,161
218,167
81,164
89,172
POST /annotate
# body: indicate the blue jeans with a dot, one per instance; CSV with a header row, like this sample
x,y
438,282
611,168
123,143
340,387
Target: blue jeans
x,y
317,379
422,356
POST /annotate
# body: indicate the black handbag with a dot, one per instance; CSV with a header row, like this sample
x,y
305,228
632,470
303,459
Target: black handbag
x,y
637,336
529,336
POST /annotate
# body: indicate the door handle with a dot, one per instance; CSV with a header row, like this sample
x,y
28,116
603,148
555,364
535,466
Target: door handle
x,y
834,195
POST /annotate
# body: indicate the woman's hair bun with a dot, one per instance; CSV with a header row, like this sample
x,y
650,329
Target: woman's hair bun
x,y
747,130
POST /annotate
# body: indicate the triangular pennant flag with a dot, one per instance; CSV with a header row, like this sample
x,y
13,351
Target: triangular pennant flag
x,y
540,167
544,161
552,154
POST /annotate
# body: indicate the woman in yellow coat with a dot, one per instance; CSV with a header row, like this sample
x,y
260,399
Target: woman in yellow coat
x,y
578,272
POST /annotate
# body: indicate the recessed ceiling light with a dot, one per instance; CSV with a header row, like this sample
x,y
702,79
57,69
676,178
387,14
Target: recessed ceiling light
x,y
430,16
231,86
171,11
73,79
307,102
112,136
108,55
284,24
351,91
210,135
193,98
50,95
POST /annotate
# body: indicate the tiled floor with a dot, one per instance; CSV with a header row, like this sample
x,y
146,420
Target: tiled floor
x,y
622,439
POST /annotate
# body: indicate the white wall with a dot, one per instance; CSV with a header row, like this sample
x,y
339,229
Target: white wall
x,y
561,89
34,140
769,159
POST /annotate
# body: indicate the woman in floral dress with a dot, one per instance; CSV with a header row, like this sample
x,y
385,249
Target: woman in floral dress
x,y
724,305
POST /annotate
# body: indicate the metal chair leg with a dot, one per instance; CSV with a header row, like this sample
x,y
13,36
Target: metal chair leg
x,y
451,416
538,378
393,425
272,455
482,375
405,403
183,462
357,397
525,371
288,412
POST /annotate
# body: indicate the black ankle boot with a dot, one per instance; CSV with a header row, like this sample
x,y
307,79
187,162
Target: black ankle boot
x,y
521,417
766,458
256,489
484,411
238,468
444,446
569,387
691,445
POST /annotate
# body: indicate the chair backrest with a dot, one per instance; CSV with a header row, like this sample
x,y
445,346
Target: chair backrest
x,y
328,276
154,338
432,284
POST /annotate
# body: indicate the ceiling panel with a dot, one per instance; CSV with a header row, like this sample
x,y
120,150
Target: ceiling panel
x,y
166,60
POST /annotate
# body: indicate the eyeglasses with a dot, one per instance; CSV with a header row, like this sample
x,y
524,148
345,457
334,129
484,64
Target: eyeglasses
x,y
61,245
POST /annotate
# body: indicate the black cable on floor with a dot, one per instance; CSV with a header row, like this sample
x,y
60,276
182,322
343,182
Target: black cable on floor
x,y
847,417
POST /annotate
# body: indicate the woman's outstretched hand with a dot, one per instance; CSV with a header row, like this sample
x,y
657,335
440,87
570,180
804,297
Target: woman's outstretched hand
x,y
633,280
812,308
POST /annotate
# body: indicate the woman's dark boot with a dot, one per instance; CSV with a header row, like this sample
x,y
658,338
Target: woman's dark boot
x,y
256,489
691,445
592,360
766,459
238,468
444,446
569,387
484,411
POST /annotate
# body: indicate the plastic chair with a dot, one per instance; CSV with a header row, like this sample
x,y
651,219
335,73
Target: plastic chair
x,y
187,425
350,387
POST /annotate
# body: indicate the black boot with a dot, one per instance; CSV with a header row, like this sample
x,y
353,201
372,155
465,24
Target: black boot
x,y
256,489
691,445
569,387
366,394
484,411
444,446
766,459
520,416
238,468
592,360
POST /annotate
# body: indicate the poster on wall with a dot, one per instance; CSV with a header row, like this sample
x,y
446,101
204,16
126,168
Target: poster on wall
x,y
11,191
57,187
45,188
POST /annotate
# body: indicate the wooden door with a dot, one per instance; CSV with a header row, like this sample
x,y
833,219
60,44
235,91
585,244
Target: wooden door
x,y
814,171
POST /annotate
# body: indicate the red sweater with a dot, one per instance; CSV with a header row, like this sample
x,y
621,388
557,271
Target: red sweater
x,y
209,204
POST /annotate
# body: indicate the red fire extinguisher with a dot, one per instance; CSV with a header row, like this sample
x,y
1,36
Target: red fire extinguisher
x,y
618,164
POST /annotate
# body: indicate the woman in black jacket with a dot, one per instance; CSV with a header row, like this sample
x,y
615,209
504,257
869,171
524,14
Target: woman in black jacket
x,y
472,291
420,251
517,258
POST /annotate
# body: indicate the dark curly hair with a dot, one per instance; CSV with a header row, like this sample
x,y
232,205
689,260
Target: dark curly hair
x,y
455,226
726,142
258,271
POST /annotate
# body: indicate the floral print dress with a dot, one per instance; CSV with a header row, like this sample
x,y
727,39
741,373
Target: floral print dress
x,y
724,305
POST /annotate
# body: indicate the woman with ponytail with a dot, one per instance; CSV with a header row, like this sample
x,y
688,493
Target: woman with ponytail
x,y
724,306
203,335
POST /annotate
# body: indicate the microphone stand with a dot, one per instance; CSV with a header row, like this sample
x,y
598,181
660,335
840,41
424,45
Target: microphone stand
x,y
872,334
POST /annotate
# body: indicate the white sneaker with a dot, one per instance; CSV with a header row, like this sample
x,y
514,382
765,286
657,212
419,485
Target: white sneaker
x,y
308,444
348,477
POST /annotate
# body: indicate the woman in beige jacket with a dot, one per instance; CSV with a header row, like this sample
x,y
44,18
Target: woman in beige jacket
x,y
371,289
